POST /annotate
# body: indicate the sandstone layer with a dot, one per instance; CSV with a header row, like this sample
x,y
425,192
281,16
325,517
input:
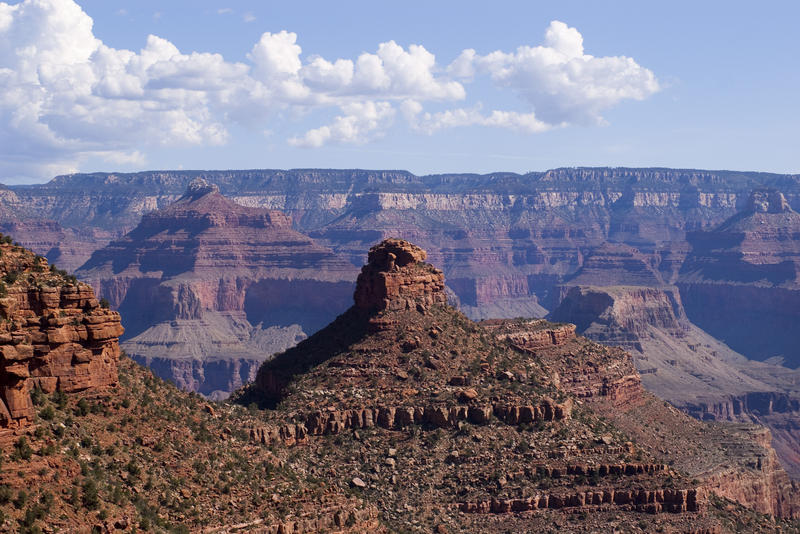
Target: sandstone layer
x,y
209,288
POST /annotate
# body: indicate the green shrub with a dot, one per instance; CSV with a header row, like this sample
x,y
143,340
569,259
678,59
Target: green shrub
x,y
22,449
47,413
91,496
82,408
22,498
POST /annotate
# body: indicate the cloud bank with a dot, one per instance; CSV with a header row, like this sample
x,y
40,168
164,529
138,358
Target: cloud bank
x,y
66,96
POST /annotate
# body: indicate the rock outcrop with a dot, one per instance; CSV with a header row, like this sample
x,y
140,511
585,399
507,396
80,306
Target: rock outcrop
x,y
54,336
208,288
395,278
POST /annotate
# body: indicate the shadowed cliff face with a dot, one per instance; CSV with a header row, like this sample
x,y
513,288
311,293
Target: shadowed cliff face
x,y
741,282
208,280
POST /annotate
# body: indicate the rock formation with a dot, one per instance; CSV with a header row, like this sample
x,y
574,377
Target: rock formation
x,y
395,278
54,336
496,418
209,289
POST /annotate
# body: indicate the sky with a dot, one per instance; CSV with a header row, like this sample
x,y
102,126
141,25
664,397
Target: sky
x,y
429,87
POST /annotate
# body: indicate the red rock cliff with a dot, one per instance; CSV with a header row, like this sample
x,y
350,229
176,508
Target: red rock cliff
x,y
396,279
54,336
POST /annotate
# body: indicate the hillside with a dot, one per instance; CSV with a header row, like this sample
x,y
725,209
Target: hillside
x,y
462,425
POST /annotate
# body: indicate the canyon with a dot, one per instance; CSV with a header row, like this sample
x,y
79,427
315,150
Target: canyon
x,y
717,249
507,240
401,413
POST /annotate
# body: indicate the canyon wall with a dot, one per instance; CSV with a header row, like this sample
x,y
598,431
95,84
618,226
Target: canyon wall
x,y
507,241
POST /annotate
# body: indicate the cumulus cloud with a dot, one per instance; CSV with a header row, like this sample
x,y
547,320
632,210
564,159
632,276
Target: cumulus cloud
x,y
360,122
66,96
558,79
430,123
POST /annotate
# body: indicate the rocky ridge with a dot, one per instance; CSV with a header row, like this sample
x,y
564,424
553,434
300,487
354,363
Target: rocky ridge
x,y
734,461
502,418
683,364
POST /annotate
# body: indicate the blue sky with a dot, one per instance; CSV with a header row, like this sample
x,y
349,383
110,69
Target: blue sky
x,y
424,86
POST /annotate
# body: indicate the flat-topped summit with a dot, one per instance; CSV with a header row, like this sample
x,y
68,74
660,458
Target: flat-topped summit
x,y
396,278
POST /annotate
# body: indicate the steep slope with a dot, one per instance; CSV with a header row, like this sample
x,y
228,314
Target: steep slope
x,y
209,288
143,456
54,336
743,277
444,423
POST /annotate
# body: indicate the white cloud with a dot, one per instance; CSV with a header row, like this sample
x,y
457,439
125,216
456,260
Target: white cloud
x,y
430,123
361,122
561,82
248,17
66,96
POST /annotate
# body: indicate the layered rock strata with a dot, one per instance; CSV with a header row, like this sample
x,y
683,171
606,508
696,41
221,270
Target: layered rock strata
x,y
743,277
209,288
507,241
54,336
